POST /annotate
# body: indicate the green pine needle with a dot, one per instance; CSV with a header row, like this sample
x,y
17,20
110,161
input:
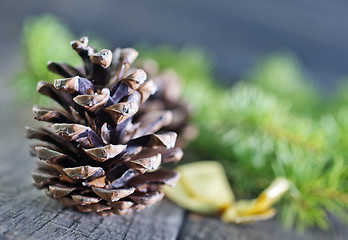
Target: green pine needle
x,y
255,130
282,75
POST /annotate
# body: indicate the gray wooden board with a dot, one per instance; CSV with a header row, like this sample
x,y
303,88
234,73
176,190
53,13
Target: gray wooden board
x,y
199,227
27,213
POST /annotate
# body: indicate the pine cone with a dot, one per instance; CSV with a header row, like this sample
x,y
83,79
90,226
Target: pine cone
x,y
102,152
168,97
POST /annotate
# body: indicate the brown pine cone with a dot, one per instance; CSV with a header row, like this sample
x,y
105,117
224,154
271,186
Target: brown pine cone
x,y
102,152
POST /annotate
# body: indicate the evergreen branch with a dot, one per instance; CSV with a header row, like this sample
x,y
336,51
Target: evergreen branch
x,y
282,76
256,133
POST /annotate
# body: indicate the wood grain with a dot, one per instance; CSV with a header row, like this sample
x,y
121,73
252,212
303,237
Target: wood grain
x,y
26,213
198,227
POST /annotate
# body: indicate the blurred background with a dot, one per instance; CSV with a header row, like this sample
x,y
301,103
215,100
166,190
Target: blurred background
x,y
309,40
235,34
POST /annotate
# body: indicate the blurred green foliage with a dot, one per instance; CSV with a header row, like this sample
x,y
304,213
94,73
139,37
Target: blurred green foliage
x,y
282,76
44,39
274,123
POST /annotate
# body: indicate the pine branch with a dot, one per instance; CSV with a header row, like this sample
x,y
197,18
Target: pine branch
x,y
260,139
255,132
282,76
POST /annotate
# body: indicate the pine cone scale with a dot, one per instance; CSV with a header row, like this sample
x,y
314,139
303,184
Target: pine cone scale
x,y
103,152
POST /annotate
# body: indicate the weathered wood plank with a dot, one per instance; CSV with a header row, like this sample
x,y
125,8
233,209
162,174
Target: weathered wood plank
x,y
49,220
27,213
198,227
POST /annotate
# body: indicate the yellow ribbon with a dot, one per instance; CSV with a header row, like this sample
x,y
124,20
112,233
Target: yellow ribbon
x,y
204,188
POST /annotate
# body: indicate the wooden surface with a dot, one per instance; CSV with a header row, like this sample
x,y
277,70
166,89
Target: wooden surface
x,y
27,213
